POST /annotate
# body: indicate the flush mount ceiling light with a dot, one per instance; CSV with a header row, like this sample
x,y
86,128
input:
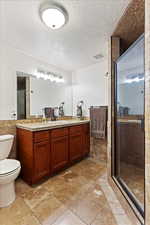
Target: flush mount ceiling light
x,y
53,16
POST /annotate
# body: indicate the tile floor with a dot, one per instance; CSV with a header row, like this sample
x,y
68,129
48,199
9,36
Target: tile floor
x,y
79,195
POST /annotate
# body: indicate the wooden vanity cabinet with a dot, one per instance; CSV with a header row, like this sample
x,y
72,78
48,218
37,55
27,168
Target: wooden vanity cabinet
x,y
75,143
59,149
34,154
42,153
41,160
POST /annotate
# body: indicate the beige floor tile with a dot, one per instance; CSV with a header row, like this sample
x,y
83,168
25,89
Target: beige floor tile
x,y
17,213
74,178
90,205
35,196
89,169
68,218
49,210
65,189
116,208
124,220
105,217
22,187
67,195
76,196
29,220
55,184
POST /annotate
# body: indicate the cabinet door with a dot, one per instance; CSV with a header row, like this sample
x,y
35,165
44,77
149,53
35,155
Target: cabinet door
x,y
86,139
86,144
41,160
60,154
75,147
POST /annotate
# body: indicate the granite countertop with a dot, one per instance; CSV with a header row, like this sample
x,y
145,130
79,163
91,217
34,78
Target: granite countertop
x,y
50,124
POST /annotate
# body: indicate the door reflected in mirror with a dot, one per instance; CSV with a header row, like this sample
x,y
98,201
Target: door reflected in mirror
x,y
23,97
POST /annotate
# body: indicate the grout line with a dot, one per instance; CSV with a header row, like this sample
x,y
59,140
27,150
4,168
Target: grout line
x,y
63,215
51,222
32,213
78,217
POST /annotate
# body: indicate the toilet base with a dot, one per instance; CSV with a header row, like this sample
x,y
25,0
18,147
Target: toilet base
x,y
7,194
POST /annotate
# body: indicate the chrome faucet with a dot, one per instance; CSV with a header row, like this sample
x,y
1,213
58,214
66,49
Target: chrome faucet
x,y
61,109
79,109
43,115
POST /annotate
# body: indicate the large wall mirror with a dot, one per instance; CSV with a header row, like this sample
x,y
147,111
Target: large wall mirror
x,y
34,94
28,85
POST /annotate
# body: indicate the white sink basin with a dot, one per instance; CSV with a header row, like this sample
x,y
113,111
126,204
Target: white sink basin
x,y
58,122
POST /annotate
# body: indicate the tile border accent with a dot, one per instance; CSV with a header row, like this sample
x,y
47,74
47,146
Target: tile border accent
x,y
119,213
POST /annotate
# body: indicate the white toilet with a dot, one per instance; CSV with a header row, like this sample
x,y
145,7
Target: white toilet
x,y
9,171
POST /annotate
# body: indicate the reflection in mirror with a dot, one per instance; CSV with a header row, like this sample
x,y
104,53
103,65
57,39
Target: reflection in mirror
x,y
26,95
23,97
48,85
40,97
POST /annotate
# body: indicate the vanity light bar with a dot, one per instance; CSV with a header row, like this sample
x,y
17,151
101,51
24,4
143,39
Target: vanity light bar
x,y
40,74
49,76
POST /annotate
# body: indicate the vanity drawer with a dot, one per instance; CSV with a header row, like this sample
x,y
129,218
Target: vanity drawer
x,y
60,132
76,129
40,136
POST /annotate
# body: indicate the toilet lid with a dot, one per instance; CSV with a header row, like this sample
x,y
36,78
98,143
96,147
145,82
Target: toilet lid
x,y
8,166
6,137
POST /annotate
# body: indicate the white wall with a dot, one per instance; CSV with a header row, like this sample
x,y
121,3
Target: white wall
x,y
13,60
90,85
47,94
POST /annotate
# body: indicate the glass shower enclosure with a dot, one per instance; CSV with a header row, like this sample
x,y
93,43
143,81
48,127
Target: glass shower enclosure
x,y
129,123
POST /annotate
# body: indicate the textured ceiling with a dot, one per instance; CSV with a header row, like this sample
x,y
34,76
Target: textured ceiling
x,y
90,24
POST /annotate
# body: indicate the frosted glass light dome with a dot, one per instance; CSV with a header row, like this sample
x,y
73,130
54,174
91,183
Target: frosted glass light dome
x,y
53,16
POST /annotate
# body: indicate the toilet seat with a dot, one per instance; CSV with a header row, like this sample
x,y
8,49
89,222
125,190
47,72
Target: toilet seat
x,y
8,166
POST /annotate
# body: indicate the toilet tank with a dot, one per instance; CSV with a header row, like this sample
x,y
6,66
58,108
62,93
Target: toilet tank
x,y
6,142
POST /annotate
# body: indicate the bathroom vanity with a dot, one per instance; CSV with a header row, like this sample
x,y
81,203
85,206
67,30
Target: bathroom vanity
x,y
47,148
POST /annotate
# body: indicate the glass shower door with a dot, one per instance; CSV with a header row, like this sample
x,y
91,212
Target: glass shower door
x,y
129,122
